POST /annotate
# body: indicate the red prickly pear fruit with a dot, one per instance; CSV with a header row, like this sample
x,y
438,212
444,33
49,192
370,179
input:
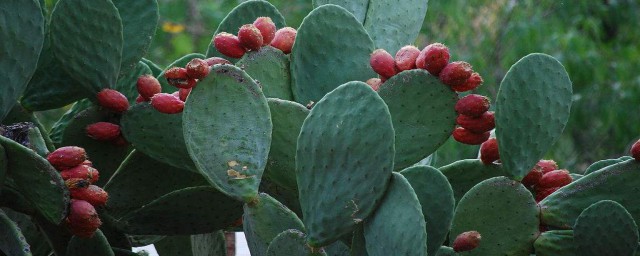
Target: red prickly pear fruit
x,y
635,150
473,82
178,77
464,136
433,58
544,193
406,58
486,122
113,100
229,45
93,194
87,163
81,172
456,73
103,131
250,37
83,219
489,151
467,241
67,157
77,183
557,178
216,60
267,29
532,178
140,99
382,63
147,86
167,103
473,105
197,68
546,166
183,94
375,83
284,39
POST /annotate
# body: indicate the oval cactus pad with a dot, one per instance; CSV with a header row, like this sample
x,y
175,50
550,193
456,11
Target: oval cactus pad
x,y
343,161
605,228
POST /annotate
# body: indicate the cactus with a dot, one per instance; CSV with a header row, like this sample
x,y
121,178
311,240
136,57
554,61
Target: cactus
x,y
294,147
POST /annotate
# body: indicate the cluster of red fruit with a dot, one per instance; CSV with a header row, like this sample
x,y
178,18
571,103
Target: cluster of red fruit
x,y
251,37
116,102
79,175
474,120
434,58
545,178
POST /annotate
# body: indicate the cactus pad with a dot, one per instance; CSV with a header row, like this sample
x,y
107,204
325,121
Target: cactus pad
x,y
13,241
210,244
139,22
96,245
292,242
270,68
227,128
465,174
555,242
605,228
535,91
505,214
604,163
356,7
393,24
343,163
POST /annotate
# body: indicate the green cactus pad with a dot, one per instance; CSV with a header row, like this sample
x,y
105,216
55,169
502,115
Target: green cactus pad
x,y
270,68
127,82
175,246
445,251
181,62
288,197
356,7
436,198
227,128
210,244
393,24
38,243
555,243
36,180
358,244
319,56
155,69
615,182
129,188
422,109
344,161
12,241
338,248
158,135
87,39
4,162
605,228
105,156
57,131
264,219
139,22
465,174
22,33
398,226
532,109
287,118
183,212
604,163
245,13
505,214
292,242
96,245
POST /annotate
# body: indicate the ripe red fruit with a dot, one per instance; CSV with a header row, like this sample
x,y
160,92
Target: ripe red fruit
x,y
635,150
455,73
546,166
484,123
140,99
557,178
167,103
179,77
532,178
216,60
375,83
113,100
148,86
284,39
83,219
250,37
467,241
489,151
81,172
433,58
67,157
267,29
382,63
197,68
406,57
183,94
93,194
464,136
473,82
473,105
103,131
544,193
229,45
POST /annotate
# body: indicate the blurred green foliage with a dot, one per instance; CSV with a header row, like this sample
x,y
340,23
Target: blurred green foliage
x,y
596,40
